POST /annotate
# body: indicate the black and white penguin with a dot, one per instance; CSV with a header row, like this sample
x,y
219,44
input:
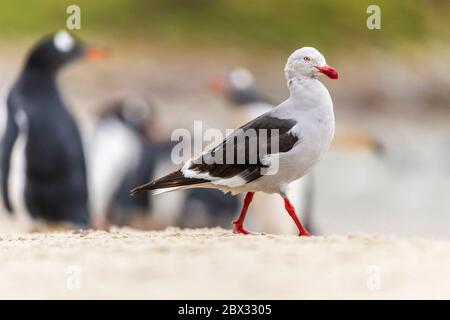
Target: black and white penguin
x,y
238,87
122,152
129,140
43,170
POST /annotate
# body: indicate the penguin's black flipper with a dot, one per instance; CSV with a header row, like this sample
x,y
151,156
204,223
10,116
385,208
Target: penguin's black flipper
x,y
9,138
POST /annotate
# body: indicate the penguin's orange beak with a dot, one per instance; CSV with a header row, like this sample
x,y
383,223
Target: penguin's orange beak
x,y
218,83
95,53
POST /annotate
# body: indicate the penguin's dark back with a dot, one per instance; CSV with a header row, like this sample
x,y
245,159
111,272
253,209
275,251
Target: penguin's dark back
x,y
123,205
56,182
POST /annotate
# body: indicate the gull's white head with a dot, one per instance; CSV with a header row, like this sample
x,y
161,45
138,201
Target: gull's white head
x,y
308,62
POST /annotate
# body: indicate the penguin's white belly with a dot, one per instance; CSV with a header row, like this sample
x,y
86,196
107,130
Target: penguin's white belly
x,y
113,153
17,179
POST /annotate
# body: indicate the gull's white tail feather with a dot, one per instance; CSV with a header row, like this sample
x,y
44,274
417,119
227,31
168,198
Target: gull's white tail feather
x,y
173,181
161,191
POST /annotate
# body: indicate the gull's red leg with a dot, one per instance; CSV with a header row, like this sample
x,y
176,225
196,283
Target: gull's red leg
x,y
291,210
239,223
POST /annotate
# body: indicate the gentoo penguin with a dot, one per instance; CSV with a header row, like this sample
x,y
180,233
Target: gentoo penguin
x,y
121,155
239,89
138,152
43,171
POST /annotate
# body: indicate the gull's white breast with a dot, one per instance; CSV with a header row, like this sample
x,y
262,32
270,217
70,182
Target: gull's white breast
x,y
313,111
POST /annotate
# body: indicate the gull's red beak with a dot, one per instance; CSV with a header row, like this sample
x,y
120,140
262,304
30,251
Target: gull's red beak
x,y
95,54
330,72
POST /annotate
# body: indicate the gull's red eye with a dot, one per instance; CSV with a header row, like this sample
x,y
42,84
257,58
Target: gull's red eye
x,y
306,58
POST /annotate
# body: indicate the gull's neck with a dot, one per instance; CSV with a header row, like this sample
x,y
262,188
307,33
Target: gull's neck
x,y
298,85
309,93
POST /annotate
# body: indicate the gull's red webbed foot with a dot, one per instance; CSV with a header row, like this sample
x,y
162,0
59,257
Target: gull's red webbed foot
x,y
239,223
291,210
239,228
304,233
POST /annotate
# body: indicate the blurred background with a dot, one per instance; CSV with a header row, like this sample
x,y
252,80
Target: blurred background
x,y
389,168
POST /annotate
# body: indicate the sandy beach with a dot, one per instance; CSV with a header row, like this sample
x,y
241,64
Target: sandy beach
x,y
215,264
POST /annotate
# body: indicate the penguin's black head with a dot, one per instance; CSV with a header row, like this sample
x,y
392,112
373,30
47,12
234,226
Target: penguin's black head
x,y
138,113
56,50
238,86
